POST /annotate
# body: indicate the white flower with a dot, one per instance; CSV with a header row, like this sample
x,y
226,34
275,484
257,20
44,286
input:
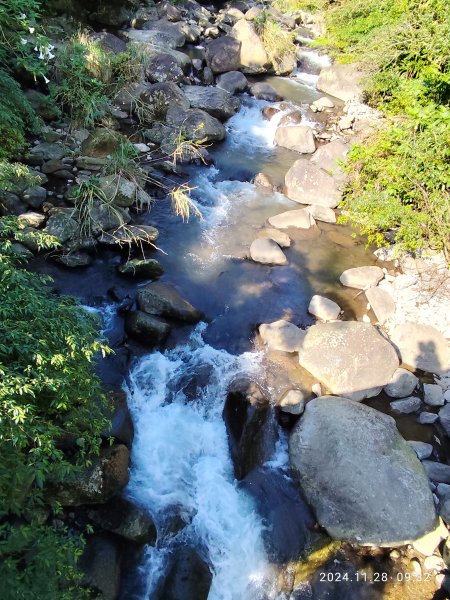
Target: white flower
x,y
50,47
23,16
31,29
36,48
45,79
41,56
23,41
50,56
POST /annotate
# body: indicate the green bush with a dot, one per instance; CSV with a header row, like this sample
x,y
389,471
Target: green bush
x,y
50,423
400,181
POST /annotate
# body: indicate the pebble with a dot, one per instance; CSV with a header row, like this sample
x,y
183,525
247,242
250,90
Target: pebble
x,y
427,418
407,406
422,449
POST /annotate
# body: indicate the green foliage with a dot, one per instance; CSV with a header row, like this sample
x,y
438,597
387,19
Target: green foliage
x,y
401,180
278,42
50,421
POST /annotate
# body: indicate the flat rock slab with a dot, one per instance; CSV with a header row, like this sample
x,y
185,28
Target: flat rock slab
x,y
281,238
382,304
402,384
349,358
298,219
407,405
218,103
324,308
364,482
282,335
341,81
421,347
307,183
362,278
267,252
297,137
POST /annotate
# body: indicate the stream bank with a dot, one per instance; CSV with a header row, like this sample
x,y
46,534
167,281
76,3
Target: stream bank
x,y
182,473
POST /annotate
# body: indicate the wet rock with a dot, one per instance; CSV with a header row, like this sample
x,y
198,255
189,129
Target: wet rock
x,y
101,564
307,183
264,91
322,213
293,118
341,81
35,196
217,102
324,308
407,405
264,181
146,329
75,259
298,219
233,82
141,267
118,190
223,54
282,335
252,432
163,67
49,151
362,278
421,347
131,235
427,418
267,252
121,424
402,384
107,476
437,471
296,137
164,300
281,238
157,98
253,55
433,395
346,455
350,359
330,156
188,578
197,124
120,516
382,304
293,402
288,520
269,111
61,226
422,449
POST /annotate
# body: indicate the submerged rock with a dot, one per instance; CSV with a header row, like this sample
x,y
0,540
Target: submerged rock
x,y
264,91
287,519
349,358
282,335
267,252
162,299
362,479
298,219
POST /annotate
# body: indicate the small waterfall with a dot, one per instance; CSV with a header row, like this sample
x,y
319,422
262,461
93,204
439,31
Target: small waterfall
x,y
180,459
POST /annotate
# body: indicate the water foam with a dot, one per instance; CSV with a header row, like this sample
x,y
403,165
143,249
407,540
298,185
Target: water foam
x,y
180,458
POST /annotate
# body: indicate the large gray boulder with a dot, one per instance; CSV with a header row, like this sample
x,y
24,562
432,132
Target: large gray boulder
x,y
147,329
307,183
156,99
421,347
362,278
223,54
341,81
330,156
364,482
61,225
282,335
162,299
402,384
196,124
349,358
218,103
267,252
253,55
296,137
163,67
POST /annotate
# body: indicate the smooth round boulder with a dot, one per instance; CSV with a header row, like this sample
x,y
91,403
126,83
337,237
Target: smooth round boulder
x,y
307,183
349,358
402,384
267,252
296,137
322,213
233,82
362,278
324,308
298,219
281,238
364,482
282,335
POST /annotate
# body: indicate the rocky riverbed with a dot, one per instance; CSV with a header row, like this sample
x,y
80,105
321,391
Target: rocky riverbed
x,y
281,392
